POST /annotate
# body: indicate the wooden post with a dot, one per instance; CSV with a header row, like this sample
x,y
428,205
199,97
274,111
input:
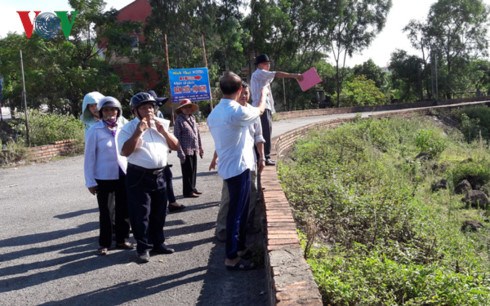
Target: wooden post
x,y
24,98
206,65
204,51
167,68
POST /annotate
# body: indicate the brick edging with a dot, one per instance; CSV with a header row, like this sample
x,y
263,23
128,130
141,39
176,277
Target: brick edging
x,y
46,152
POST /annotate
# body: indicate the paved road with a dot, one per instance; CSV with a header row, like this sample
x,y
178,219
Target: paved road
x,y
48,238
49,230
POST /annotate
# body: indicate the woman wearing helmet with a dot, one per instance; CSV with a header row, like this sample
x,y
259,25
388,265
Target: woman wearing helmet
x,y
105,175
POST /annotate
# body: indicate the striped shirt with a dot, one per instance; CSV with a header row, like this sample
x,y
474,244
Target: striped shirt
x,y
261,78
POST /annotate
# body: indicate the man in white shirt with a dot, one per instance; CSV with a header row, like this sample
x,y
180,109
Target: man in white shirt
x,y
145,142
260,78
229,125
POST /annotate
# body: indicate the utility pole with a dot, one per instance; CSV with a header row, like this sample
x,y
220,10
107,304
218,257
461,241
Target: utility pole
x,y
434,78
206,65
24,98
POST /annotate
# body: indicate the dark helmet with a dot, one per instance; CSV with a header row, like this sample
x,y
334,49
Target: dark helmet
x,y
160,100
109,102
141,98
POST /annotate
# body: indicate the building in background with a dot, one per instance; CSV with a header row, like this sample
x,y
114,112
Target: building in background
x,y
130,71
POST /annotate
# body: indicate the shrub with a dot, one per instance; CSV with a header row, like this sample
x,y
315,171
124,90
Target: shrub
x,y
12,152
375,279
362,92
430,142
476,172
48,128
474,120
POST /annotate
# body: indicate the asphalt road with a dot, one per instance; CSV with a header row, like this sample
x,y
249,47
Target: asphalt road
x,y
48,238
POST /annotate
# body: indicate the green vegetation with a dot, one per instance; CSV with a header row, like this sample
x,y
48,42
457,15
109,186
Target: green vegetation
x,y
48,128
44,128
373,229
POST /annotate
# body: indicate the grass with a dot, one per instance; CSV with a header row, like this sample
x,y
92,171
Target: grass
x,y
373,231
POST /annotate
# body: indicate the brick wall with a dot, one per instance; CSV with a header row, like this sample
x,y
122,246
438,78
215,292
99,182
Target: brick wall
x,y
397,106
46,152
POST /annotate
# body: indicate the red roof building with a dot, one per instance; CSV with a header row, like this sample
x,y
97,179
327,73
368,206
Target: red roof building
x,y
129,71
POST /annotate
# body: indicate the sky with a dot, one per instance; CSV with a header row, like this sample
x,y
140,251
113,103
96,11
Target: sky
x,y
390,39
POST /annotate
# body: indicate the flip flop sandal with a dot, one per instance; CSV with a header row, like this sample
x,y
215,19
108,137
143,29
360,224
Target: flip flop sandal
x,y
102,251
242,265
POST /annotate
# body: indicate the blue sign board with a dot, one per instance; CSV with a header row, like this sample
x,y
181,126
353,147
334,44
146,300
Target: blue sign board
x,y
189,83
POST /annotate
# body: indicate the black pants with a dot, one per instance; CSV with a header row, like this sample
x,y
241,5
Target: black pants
x,y
266,121
147,201
121,222
189,173
170,185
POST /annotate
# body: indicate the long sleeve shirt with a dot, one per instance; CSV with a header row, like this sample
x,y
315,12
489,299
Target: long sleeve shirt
x,y
229,124
186,131
101,159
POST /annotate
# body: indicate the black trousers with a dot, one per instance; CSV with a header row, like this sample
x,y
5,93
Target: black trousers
x,y
147,201
266,121
121,221
170,186
189,174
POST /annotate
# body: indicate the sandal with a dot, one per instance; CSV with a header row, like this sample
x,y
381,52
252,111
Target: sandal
x,y
242,265
102,251
124,246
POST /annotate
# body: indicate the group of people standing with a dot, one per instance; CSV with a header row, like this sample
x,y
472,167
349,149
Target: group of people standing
x,y
126,162
126,168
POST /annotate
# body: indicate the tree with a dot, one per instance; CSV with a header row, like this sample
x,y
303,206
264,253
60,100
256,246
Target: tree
x,y
350,26
362,92
480,75
458,29
454,34
372,72
287,31
58,72
406,76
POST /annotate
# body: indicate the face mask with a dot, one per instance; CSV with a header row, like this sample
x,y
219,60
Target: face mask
x,y
112,124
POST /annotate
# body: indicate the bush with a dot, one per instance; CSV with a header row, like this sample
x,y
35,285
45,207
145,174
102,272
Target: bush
x,y
362,92
48,128
351,280
430,142
43,129
12,152
476,172
473,121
